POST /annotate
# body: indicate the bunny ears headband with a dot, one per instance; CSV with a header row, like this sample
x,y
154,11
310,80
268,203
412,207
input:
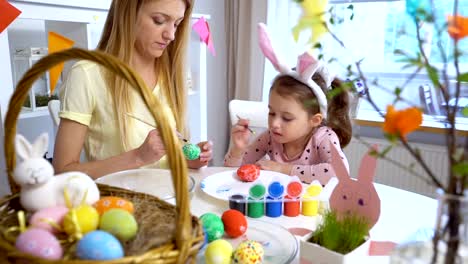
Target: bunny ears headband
x,y
307,65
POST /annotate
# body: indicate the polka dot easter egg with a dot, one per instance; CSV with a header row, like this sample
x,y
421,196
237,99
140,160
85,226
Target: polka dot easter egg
x,y
213,225
191,151
112,202
49,219
248,172
40,243
235,223
99,245
218,252
248,252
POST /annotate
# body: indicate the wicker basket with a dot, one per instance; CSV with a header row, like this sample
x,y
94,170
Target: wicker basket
x,y
185,237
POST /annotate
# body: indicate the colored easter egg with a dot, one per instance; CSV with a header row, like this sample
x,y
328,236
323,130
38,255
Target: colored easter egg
x,y
43,218
213,225
218,252
119,223
235,223
85,216
248,252
99,245
111,202
191,151
40,243
248,172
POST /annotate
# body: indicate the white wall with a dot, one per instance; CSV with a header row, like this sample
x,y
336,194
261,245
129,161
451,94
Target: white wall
x,y
218,117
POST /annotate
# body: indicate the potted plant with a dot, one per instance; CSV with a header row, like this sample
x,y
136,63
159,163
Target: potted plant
x,y
398,123
337,240
343,235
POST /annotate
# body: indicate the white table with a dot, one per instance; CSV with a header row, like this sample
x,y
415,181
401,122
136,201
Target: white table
x,y
402,213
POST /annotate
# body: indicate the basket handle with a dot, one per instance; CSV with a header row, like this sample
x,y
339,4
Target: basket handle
x,y
176,159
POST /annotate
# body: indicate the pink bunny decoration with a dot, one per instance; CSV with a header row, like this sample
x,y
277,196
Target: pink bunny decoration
x,y
355,196
306,66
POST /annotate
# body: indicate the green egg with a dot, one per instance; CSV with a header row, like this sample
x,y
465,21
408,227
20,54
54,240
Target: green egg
x,y
213,225
191,151
120,223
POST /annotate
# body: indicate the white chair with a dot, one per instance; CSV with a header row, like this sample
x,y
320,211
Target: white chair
x,y
256,112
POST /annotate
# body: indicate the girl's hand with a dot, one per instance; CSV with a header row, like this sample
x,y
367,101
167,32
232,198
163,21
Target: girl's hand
x,y
152,148
274,166
206,155
240,134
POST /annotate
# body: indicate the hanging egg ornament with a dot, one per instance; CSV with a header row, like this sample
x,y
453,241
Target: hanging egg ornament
x,y
81,220
218,252
40,243
248,252
235,223
49,219
99,245
119,223
213,225
191,151
112,202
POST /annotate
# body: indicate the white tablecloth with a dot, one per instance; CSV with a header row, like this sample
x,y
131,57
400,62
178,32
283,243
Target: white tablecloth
x,y
403,213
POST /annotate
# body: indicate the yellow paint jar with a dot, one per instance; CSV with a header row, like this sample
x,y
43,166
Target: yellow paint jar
x,y
310,205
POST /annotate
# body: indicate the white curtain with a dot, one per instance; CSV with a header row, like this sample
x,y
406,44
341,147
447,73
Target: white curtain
x,y
282,16
245,67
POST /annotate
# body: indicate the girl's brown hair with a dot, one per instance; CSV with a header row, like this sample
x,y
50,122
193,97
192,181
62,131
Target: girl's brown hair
x,y
118,38
338,105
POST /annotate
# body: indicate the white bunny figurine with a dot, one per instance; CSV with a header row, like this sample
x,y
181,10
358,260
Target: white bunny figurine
x,y
39,187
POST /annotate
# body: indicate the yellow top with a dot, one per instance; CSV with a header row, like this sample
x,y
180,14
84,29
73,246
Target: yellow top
x,y
85,99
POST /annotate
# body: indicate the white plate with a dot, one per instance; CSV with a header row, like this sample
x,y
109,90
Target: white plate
x,y
224,184
156,182
279,245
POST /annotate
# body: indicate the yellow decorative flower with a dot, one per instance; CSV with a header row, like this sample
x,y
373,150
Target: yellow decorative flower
x,y
313,18
402,122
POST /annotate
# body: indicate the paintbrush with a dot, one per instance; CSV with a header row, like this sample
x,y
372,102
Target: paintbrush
x,y
153,126
246,126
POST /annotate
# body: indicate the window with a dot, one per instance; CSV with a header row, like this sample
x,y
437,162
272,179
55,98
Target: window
x,y
377,29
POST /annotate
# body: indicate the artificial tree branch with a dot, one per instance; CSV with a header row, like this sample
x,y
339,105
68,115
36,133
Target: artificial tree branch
x,y
423,164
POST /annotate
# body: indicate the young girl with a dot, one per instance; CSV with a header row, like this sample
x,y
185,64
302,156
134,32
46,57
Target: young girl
x,y
299,135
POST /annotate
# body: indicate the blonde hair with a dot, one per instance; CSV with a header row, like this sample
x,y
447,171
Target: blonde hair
x,y
118,38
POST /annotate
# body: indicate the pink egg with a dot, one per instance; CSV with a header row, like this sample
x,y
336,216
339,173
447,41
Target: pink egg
x,y
39,243
42,218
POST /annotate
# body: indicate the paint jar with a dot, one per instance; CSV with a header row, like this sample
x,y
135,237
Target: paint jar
x,y
292,202
274,201
256,201
292,206
310,201
238,202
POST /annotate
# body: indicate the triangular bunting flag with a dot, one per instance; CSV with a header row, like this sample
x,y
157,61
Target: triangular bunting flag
x,y
8,14
57,43
203,30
